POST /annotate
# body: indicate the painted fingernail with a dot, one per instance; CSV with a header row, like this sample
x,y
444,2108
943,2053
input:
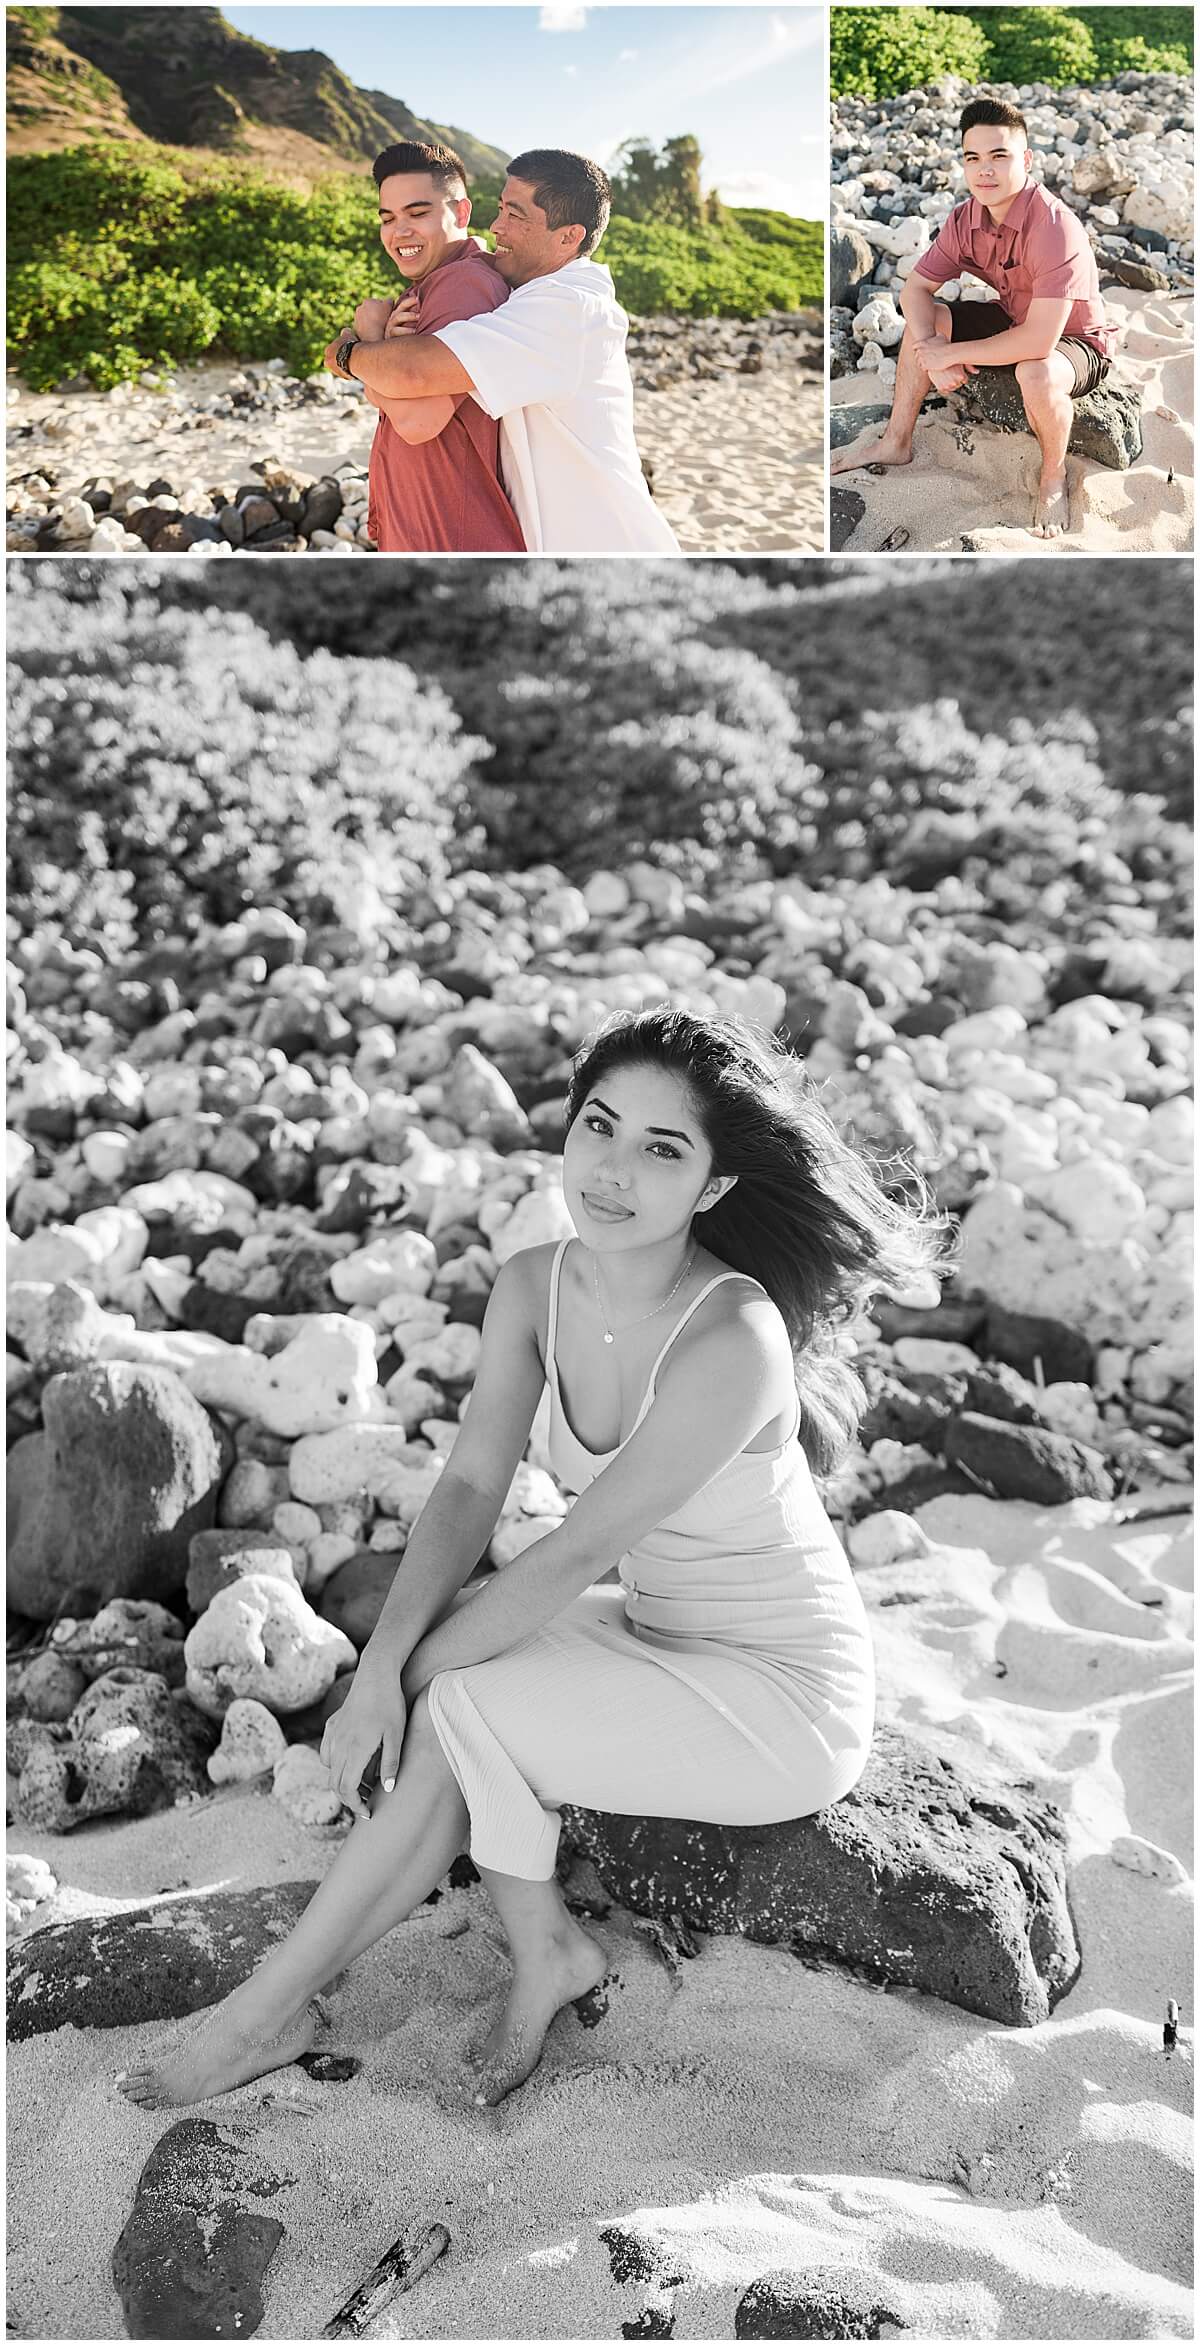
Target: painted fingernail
x,y
389,1783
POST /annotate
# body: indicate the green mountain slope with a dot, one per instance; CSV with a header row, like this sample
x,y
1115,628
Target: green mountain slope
x,y
184,77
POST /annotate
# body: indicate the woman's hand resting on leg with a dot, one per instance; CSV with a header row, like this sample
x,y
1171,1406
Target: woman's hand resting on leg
x,y
372,1719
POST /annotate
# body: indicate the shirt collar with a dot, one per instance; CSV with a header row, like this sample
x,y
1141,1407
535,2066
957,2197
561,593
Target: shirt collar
x,y
980,218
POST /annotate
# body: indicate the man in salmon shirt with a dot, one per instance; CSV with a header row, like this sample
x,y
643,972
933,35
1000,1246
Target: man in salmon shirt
x,y
1048,324
435,463
550,367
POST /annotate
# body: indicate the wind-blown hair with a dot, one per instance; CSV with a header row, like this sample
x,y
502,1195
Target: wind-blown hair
x,y
808,1216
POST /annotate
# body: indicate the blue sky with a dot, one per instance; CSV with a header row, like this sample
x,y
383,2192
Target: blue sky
x,y
746,80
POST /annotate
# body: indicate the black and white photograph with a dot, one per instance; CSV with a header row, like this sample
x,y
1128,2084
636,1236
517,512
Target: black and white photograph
x,y
600,1149
601,1410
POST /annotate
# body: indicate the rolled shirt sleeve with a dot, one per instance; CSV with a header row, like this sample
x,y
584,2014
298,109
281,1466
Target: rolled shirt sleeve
x,y
528,354
944,258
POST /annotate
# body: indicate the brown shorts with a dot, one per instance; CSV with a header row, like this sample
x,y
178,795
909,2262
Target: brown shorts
x,y
974,321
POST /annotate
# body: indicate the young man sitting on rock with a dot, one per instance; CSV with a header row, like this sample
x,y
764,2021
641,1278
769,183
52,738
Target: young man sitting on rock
x,y
435,463
1048,325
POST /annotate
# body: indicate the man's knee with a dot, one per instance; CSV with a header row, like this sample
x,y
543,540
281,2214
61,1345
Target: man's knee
x,y
1035,374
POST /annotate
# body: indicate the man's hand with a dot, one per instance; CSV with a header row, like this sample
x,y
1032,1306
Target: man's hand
x,y
370,319
403,318
951,378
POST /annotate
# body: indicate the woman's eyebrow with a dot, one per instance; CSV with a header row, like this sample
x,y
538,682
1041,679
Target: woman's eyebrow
x,y
660,1131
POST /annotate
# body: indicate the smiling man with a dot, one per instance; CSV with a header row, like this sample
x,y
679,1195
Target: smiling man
x,y
1048,324
549,367
435,463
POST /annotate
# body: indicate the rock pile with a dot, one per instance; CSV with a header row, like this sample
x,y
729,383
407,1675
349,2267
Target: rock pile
x,y
261,1180
1119,154
669,350
270,508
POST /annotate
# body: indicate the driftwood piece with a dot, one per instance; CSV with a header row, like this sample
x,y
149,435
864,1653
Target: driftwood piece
x,y
400,2265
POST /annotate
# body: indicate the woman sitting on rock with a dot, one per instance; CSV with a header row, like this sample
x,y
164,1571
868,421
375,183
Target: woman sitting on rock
x,y
687,1339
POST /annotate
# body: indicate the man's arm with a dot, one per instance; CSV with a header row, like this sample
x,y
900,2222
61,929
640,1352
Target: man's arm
x,y
1035,337
417,367
416,420
918,300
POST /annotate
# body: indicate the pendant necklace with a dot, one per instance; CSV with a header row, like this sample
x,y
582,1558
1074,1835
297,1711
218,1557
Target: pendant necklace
x,y
609,1336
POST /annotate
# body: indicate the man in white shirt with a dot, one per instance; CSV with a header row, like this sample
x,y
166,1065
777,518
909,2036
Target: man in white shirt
x,y
550,364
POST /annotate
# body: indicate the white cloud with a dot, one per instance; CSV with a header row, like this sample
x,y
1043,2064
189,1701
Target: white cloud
x,y
769,191
562,18
572,72
627,56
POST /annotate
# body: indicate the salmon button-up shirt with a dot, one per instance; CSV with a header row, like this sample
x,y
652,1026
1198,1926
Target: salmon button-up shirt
x,y
1038,252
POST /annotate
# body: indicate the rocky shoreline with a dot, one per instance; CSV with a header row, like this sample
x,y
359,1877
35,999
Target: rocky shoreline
x,y
56,505
1119,155
261,1180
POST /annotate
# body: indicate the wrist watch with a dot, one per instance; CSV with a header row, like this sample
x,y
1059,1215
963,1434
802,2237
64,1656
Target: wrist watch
x,y
341,356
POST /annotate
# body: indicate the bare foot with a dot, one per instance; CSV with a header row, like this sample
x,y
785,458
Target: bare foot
x,y
1052,512
864,451
228,2047
513,2047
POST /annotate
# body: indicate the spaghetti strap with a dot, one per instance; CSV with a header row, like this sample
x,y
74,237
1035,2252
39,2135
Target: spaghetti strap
x,y
682,1322
552,1321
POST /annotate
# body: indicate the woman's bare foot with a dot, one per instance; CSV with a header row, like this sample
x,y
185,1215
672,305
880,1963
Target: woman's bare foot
x,y
226,2047
864,451
513,2047
1052,512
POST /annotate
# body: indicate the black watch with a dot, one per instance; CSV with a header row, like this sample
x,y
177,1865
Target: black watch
x,y
342,356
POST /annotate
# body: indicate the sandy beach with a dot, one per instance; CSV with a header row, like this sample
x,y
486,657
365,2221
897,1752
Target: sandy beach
x,y
969,488
737,463
761,2116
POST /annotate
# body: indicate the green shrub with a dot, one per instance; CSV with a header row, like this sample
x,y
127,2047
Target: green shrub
x,y
1039,44
124,259
881,52
876,52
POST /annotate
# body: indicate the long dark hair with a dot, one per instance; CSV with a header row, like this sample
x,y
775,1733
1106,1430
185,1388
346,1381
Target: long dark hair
x,y
808,1217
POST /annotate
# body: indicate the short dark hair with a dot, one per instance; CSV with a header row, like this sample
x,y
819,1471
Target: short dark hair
x,y
569,189
994,113
412,154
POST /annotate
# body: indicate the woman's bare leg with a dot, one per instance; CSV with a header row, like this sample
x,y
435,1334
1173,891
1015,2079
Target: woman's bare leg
x,y
389,1863
554,1961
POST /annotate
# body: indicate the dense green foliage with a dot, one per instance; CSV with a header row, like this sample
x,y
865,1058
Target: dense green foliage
x,y
879,52
124,258
717,718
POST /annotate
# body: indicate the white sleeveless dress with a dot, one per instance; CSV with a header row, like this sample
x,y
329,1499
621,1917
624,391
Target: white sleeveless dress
x,y
729,1678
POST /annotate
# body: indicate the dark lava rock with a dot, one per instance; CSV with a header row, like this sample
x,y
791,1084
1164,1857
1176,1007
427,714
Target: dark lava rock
x,y
1024,1339
955,1320
846,509
895,1413
997,1392
192,2259
128,1468
353,1596
155,1962
928,1874
845,423
321,506
209,1311
129,1747
1137,274
1025,1462
851,262
1107,425
812,2305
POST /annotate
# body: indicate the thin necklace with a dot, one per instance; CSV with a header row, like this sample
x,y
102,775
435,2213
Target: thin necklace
x,y
609,1336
